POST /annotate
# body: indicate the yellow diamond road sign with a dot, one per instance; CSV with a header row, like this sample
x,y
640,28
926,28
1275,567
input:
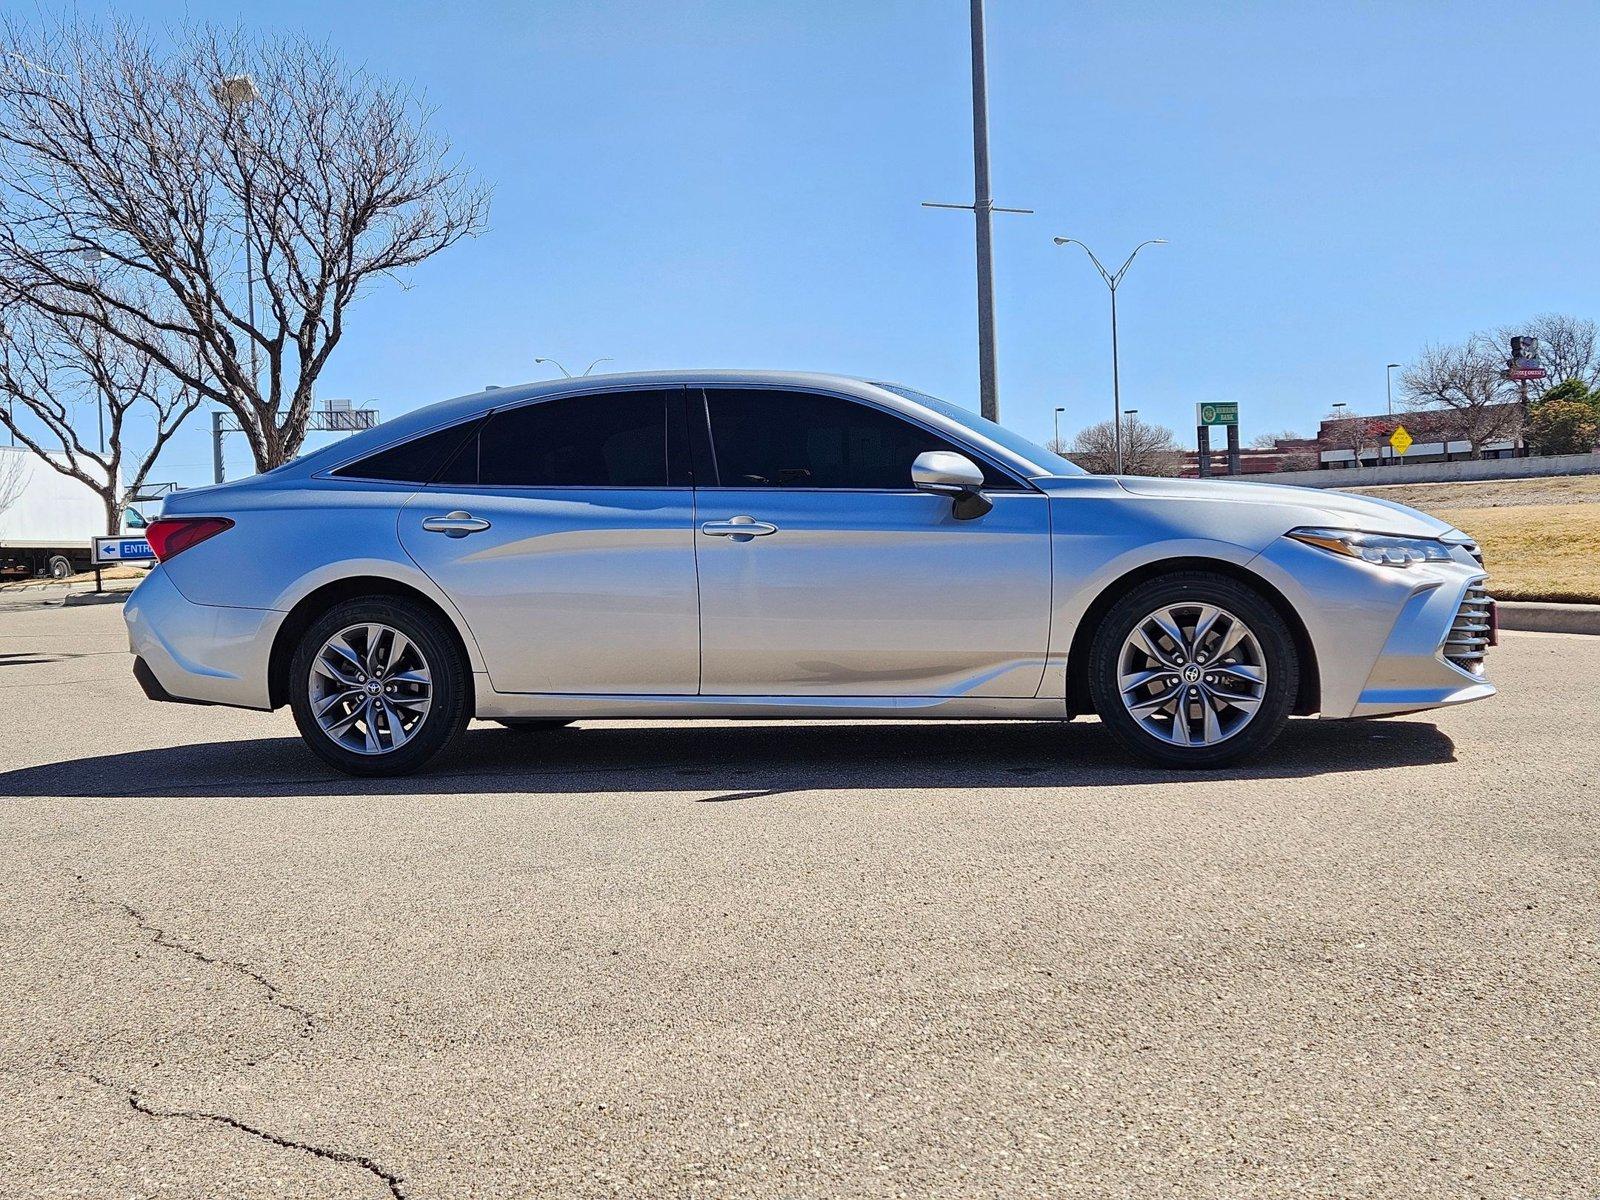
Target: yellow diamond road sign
x,y
1400,439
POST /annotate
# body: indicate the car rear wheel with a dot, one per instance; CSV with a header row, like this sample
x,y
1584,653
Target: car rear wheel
x,y
378,687
1194,670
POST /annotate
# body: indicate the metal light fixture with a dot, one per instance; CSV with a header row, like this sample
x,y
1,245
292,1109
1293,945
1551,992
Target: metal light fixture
x,y
1112,279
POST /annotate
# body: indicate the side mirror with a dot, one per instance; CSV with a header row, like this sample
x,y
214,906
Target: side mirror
x,y
950,474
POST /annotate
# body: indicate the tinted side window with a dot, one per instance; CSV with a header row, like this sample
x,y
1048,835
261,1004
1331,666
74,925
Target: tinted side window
x,y
799,439
609,440
416,461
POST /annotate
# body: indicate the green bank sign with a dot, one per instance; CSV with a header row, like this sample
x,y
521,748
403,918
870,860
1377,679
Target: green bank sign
x,y
1216,414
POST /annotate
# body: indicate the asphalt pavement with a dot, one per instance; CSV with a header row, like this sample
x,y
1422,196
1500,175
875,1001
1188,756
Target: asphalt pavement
x,y
794,960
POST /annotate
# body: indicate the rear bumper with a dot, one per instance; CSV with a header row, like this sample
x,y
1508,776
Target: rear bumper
x,y
199,653
151,686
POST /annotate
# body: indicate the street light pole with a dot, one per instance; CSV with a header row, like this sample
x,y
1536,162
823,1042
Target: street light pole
x,y
92,258
1388,383
1112,280
234,92
1057,446
568,373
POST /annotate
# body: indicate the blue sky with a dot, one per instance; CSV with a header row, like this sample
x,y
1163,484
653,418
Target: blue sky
x,y
737,184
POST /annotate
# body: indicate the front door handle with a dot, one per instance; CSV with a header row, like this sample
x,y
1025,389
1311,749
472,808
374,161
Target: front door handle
x,y
740,528
457,524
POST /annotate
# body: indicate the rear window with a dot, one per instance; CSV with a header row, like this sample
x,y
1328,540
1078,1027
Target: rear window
x,y
616,439
416,461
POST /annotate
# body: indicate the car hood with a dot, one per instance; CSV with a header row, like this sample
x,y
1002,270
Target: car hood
x,y
1301,505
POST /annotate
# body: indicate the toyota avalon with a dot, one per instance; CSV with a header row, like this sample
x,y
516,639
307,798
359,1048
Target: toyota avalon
x,y
775,545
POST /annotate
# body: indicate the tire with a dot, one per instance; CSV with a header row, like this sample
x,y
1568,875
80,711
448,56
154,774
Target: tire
x,y
431,652
59,566
1245,715
532,724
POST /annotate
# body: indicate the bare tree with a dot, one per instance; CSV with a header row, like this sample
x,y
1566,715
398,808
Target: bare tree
x,y
1466,385
1146,449
238,217
1355,434
13,477
1569,348
1269,441
54,367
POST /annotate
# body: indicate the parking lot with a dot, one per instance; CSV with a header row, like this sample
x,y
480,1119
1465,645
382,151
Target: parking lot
x,y
794,960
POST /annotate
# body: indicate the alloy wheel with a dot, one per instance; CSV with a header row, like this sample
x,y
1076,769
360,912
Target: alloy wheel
x,y
1191,674
370,688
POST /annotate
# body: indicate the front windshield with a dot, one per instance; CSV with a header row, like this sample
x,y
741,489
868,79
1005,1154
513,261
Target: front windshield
x,y
1052,463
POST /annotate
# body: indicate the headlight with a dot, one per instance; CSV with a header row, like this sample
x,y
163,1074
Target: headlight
x,y
1380,548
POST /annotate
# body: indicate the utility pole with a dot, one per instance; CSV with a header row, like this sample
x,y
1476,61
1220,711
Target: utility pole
x,y
982,208
217,472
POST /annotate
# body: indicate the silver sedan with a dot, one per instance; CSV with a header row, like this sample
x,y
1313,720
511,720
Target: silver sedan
x,y
737,544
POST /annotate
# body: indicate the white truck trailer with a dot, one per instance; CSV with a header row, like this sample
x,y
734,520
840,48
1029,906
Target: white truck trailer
x,y
47,519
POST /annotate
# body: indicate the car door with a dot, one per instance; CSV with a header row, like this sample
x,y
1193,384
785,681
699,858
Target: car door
x,y
824,572
563,531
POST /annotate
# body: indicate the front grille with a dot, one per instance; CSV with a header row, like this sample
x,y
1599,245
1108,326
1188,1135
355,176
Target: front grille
x,y
1469,633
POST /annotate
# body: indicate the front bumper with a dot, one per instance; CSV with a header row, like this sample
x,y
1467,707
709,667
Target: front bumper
x,y
1378,633
202,653
1417,668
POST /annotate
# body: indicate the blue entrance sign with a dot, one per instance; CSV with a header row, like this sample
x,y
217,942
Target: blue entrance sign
x,y
121,549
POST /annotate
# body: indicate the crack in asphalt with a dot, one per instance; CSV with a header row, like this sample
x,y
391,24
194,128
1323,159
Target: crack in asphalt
x,y
306,1019
394,1183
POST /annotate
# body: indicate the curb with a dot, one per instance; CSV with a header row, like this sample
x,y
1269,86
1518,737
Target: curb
x,y
74,599
1530,616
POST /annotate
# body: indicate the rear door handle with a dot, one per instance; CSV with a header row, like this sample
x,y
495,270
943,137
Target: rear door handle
x,y
740,528
457,524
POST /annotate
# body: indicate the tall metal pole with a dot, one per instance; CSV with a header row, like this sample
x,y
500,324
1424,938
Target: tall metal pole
x,y
1112,279
983,204
983,209
1116,390
216,445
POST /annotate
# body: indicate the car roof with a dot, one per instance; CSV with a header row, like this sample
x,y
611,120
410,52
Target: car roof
x,y
460,408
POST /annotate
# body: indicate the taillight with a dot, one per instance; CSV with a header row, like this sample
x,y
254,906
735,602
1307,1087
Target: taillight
x,y
173,535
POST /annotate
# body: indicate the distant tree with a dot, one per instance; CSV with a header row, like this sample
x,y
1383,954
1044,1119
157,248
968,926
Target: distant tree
x,y
1269,441
1569,348
13,475
192,188
1566,420
1058,446
59,370
1355,434
1466,385
1146,449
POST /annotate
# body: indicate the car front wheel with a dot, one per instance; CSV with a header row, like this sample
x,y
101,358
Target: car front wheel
x,y
379,687
1194,670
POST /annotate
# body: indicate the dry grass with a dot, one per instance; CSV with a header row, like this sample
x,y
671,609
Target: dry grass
x,y
1540,537
1490,493
1537,551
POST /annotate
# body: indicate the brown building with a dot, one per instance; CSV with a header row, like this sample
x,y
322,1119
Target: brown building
x,y
1344,442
